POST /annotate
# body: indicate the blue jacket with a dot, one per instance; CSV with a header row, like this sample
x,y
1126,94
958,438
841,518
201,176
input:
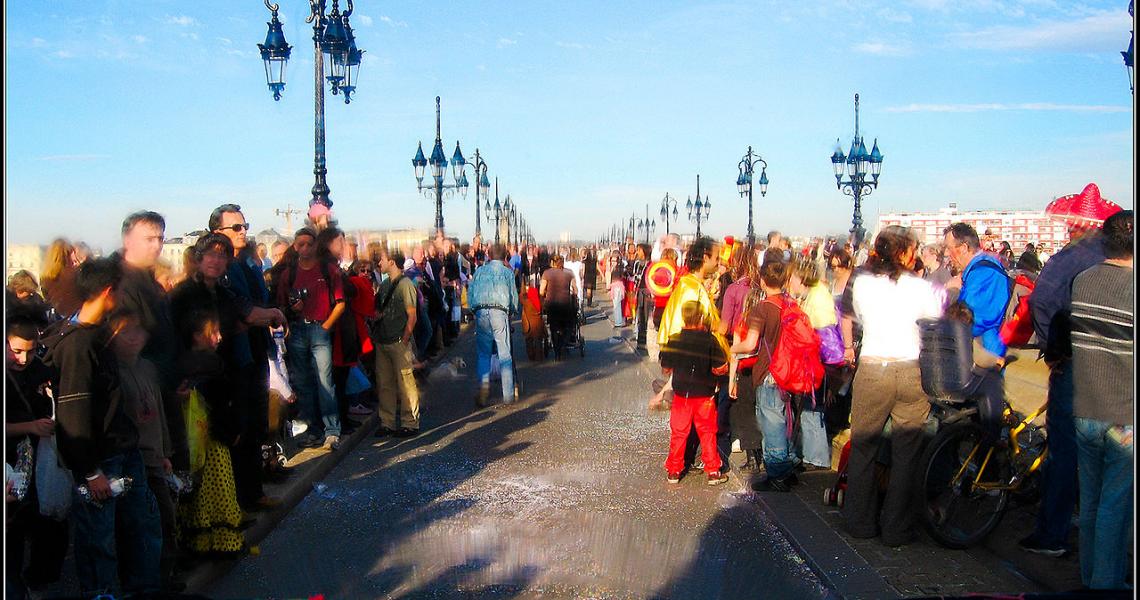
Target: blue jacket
x,y
493,285
986,291
244,278
1052,296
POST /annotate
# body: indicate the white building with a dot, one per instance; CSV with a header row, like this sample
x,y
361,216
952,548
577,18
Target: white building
x,y
24,257
1018,227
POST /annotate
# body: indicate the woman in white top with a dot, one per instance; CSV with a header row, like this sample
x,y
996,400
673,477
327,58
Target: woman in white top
x,y
887,300
575,265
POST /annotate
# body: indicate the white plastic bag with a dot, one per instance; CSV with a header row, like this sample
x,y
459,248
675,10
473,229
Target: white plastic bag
x,y
53,482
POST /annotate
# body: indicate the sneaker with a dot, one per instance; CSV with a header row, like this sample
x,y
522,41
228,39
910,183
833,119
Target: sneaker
x,y
359,409
674,478
383,431
407,432
1032,544
332,442
296,428
717,478
769,484
310,441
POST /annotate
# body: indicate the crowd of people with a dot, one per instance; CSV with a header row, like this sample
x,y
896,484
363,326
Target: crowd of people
x,y
163,395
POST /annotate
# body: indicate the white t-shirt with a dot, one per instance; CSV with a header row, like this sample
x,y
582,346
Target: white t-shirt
x,y
576,268
889,311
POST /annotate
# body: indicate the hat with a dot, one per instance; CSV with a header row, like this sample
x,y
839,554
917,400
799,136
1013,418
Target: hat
x,y
660,278
317,209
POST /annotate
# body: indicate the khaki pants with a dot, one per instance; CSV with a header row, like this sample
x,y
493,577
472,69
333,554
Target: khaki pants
x,y
880,391
396,386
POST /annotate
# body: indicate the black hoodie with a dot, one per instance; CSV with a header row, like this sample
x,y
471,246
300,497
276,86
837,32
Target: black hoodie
x,y
92,425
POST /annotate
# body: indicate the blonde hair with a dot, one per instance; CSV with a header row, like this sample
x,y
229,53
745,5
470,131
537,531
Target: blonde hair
x,y
808,272
56,259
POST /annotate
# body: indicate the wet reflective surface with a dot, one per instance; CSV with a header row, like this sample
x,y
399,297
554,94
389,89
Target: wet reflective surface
x,y
560,495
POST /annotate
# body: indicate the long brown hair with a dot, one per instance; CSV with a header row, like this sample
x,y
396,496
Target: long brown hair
x,y
890,246
56,259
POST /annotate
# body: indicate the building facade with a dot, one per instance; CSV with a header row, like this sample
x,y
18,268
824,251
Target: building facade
x,y
1018,227
25,257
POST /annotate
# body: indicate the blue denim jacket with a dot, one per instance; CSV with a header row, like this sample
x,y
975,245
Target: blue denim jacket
x,y
493,285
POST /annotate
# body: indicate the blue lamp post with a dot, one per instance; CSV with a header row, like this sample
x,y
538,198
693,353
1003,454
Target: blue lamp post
x,y
699,210
666,202
747,167
482,183
858,164
1128,54
438,164
332,36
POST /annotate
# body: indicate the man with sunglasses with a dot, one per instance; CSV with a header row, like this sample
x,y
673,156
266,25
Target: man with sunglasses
x,y
252,349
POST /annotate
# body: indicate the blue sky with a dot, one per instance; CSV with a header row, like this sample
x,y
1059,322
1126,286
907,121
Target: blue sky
x,y
586,111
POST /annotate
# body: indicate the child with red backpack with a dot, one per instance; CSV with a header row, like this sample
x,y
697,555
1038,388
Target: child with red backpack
x,y
787,351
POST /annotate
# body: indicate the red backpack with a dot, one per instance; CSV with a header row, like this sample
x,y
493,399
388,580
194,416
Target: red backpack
x,y
1018,326
795,364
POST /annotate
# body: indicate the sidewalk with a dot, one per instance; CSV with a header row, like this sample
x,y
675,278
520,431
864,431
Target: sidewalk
x,y
867,569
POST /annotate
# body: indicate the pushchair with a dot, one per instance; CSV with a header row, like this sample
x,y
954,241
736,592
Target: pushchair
x,y
564,331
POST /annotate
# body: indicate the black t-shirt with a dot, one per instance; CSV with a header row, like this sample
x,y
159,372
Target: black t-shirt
x,y
692,354
27,400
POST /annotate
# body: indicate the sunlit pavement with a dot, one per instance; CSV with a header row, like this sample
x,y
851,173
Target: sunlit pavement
x,y
560,495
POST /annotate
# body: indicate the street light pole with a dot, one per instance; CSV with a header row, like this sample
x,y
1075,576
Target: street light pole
x,y
859,163
744,183
698,210
647,225
438,164
332,35
665,214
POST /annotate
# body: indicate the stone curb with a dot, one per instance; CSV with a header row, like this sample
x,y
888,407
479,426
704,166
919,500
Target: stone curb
x,y
292,492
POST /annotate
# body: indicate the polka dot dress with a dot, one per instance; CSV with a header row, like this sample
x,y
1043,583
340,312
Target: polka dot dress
x,y
209,522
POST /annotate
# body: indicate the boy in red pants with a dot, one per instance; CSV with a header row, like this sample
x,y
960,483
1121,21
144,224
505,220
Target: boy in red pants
x,y
693,357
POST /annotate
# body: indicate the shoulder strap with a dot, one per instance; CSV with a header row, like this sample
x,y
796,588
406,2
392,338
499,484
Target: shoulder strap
x,y
388,296
20,392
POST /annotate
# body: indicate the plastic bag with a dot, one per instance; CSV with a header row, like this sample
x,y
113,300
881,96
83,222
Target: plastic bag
x,y
53,482
357,382
197,429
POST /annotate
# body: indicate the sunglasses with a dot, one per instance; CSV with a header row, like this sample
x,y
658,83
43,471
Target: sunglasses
x,y
236,227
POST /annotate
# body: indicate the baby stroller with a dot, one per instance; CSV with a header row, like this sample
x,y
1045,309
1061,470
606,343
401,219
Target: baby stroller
x,y
564,331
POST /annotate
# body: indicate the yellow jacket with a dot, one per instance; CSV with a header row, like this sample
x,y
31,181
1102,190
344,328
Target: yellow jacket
x,y
689,288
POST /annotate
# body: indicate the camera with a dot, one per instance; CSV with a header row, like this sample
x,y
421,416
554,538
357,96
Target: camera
x,y
298,295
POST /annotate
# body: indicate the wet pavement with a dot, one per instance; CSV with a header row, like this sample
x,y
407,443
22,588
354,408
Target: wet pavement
x,y
562,494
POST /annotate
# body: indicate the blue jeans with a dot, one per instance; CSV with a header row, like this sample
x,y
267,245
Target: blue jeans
x,y
1105,468
123,536
493,327
773,423
1059,498
813,433
310,373
619,314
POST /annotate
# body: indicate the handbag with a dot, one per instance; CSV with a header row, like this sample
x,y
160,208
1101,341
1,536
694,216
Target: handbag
x,y
830,344
53,482
357,382
197,429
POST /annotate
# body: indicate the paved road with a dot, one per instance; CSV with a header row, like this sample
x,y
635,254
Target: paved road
x,y
561,495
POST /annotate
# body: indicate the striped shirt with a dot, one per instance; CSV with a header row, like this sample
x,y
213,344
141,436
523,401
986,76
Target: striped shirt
x,y
1103,344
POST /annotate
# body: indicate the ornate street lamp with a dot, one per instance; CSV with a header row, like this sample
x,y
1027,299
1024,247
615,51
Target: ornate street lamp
x,y
332,36
744,183
1128,54
646,225
858,164
482,183
665,214
438,164
498,211
699,210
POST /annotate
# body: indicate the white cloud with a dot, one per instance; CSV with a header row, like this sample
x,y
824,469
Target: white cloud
x,y
364,20
181,20
392,22
38,42
997,106
63,54
573,45
138,39
1096,33
880,49
226,41
503,42
894,16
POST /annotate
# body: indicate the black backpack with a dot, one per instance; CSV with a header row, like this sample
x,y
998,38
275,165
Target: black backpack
x,y
945,357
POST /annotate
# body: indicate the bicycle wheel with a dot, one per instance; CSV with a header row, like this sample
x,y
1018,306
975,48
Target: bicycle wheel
x,y
955,512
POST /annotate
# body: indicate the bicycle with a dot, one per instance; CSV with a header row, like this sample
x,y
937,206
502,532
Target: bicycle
x,y
966,483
